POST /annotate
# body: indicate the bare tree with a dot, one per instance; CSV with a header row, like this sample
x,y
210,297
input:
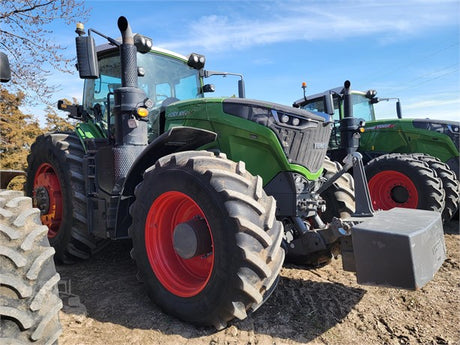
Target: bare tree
x,y
25,35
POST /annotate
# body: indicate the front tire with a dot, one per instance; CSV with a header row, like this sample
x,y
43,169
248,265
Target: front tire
x,y
243,258
340,196
29,298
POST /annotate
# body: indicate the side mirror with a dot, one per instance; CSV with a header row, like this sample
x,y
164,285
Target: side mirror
x,y
87,65
208,88
398,109
329,104
5,71
241,88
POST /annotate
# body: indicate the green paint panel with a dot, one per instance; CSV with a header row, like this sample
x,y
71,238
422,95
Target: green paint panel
x,y
240,139
89,130
401,136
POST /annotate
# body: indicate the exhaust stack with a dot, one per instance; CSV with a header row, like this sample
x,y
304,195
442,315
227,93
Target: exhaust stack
x,y
130,129
127,54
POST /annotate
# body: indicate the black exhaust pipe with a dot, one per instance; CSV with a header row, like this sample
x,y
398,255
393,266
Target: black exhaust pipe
x,y
130,129
348,125
126,32
128,55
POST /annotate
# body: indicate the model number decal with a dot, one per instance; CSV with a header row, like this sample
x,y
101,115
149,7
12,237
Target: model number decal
x,y
380,126
181,113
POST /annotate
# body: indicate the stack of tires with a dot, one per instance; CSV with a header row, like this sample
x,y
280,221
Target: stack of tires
x,y
413,181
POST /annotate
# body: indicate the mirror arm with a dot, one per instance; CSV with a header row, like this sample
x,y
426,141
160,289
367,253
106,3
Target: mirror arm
x,y
111,40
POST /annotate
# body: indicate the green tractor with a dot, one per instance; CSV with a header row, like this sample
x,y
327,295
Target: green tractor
x,y
213,192
411,163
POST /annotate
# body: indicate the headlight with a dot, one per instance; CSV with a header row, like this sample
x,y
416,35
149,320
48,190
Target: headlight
x,y
292,120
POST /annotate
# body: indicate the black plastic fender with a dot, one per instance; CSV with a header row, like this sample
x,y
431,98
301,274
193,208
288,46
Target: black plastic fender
x,y
176,139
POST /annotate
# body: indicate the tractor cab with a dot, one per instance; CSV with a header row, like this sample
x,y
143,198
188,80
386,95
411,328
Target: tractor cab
x,y
350,119
362,104
165,77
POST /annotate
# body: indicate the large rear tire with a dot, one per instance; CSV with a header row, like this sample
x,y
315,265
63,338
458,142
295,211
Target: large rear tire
x,y
449,180
55,181
29,298
398,181
242,259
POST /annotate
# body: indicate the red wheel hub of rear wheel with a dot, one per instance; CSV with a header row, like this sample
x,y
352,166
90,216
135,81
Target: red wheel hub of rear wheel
x,y
390,189
182,277
48,198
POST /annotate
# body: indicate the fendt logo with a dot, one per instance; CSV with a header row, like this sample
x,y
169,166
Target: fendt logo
x,y
319,146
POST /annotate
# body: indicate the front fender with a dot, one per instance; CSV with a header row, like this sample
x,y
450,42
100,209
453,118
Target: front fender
x,y
176,139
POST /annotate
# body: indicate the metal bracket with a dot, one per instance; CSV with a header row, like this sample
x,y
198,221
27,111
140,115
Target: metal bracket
x,y
363,203
348,164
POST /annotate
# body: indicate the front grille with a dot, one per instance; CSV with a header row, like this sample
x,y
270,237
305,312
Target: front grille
x,y
303,135
305,146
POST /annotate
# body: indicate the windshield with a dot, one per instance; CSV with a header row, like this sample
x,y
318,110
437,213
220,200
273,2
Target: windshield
x,y
362,108
166,78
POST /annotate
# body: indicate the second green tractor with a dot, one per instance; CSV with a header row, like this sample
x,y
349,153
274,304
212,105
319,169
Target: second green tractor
x,y
411,163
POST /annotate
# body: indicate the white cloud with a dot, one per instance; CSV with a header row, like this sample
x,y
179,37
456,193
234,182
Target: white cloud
x,y
290,21
432,103
442,106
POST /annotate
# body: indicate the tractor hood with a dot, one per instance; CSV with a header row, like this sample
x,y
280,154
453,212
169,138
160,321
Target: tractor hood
x,y
246,108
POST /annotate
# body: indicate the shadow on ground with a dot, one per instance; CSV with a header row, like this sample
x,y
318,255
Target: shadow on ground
x,y
298,309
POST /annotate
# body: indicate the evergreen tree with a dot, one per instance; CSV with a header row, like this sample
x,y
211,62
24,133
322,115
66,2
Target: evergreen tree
x,y
56,123
17,131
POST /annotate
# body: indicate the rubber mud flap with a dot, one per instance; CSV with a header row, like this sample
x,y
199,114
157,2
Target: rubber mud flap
x,y
402,248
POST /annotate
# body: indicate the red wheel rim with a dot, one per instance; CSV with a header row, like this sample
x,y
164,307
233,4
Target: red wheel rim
x,y
182,277
390,189
46,178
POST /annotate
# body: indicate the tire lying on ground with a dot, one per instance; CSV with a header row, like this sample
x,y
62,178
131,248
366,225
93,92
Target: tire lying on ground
x,y
235,258
29,298
397,180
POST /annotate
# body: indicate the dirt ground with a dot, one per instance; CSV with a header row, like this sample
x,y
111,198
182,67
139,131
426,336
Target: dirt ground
x,y
322,306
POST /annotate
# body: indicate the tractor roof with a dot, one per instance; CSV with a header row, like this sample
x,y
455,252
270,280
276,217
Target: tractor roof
x,y
108,47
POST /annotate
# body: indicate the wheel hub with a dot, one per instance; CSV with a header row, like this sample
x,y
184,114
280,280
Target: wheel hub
x,y
399,194
192,239
48,198
42,200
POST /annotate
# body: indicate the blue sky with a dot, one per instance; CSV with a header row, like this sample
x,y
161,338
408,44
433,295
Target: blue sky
x,y
405,49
